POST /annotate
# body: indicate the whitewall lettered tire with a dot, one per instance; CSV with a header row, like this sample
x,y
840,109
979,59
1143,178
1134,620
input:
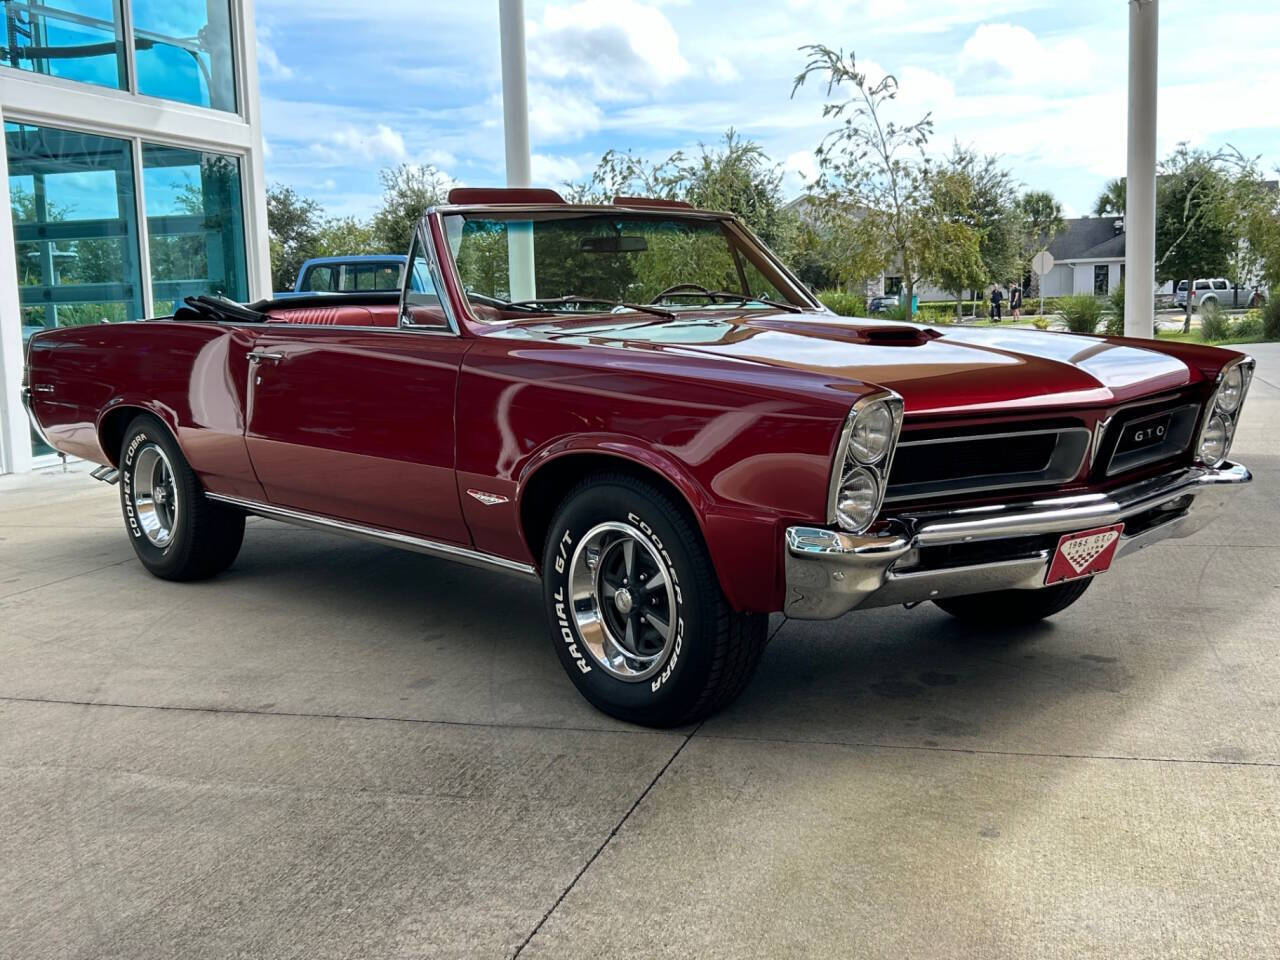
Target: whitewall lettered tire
x,y
637,615
177,532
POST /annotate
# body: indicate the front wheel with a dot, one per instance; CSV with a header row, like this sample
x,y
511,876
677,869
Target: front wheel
x,y
176,531
637,615
1014,608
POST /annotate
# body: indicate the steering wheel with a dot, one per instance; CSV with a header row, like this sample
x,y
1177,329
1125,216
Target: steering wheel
x,y
690,288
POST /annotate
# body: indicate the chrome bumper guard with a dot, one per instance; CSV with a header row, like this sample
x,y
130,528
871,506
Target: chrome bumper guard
x,y
830,572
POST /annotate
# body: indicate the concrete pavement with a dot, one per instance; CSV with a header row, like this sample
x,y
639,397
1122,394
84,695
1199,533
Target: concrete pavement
x,y
337,750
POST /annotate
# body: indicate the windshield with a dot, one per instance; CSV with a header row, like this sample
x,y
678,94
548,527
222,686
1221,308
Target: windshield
x,y
555,262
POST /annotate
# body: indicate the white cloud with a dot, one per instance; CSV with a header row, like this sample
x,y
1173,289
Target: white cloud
x,y
722,70
268,59
438,158
1016,54
623,49
552,170
349,142
557,115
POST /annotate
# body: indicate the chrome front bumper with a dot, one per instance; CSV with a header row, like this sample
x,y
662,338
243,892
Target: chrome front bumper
x,y
830,572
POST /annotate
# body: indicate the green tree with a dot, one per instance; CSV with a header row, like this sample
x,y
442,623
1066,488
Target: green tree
x,y
293,228
871,164
953,258
1111,201
345,236
1194,232
990,208
734,175
407,192
1042,220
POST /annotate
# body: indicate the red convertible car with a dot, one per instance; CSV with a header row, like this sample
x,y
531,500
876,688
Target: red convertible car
x,y
640,405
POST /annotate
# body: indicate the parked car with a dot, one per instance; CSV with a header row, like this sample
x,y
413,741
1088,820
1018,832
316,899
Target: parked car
x,y
1216,291
640,406
881,305
348,274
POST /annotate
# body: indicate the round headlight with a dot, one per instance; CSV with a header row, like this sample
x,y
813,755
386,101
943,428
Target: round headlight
x,y
856,504
872,433
1231,389
1213,442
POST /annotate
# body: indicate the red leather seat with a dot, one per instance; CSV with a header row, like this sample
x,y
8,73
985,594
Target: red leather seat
x,y
340,315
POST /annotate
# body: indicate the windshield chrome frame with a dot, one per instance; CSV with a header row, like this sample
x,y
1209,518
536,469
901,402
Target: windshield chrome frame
x,y
796,293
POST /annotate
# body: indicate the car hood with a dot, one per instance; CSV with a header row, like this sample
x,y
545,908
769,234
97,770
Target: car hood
x,y
949,369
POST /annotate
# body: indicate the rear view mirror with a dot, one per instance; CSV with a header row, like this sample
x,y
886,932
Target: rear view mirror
x,y
613,244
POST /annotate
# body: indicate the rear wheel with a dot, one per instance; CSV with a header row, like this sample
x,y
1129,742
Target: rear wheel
x,y
1012,608
176,531
637,615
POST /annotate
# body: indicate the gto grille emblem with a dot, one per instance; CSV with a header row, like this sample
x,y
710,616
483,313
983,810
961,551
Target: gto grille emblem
x,y
488,499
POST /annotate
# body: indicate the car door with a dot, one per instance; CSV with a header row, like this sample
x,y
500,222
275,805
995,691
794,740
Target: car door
x,y
357,423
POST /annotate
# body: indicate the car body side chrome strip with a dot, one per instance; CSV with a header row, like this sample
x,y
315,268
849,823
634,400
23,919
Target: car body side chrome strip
x,y
391,538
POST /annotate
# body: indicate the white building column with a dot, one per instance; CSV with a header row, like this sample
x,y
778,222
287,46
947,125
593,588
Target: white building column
x,y
515,121
1140,187
515,93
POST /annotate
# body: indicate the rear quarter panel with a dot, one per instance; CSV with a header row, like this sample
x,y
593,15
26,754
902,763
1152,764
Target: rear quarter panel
x,y
190,375
749,449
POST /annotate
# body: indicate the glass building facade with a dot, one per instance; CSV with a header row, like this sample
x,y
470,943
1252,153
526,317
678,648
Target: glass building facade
x,y
133,156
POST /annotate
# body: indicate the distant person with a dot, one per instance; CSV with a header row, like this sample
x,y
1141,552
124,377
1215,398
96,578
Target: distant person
x,y
1257,300
997,296
1015,301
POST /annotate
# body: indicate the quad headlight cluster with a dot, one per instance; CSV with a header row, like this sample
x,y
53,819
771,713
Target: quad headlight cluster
x,y
1219,427
863,458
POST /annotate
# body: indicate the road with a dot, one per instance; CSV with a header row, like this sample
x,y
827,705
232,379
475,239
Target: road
x,y
336,750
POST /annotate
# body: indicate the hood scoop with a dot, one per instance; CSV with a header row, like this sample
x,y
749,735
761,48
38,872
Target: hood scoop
x,y
879,333
898,336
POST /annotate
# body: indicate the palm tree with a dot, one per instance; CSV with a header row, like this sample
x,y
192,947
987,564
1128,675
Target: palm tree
x,y
1110,202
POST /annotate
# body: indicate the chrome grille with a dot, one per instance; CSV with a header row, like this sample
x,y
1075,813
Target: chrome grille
x,y
1142,435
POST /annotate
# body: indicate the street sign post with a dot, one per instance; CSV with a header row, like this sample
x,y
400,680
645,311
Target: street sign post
x,y
1042,263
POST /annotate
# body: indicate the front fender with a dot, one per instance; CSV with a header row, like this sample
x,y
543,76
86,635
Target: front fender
x,y
745,543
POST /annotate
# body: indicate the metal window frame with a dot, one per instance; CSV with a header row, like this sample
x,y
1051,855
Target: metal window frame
x,y
28,97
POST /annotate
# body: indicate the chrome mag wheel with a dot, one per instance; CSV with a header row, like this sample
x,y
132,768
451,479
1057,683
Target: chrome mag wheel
x,y
623,600
155,495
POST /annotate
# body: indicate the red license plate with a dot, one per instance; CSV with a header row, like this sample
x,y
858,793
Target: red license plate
x,y
1084,554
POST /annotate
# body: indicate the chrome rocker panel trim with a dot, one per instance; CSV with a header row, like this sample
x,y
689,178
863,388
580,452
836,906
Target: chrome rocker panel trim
x,y
830,572
433,548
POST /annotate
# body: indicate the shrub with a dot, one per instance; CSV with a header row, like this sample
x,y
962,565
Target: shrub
x,y
1248,327
899,312
1115,316
844,303
1040,323
1081,311
1214,323
1271,318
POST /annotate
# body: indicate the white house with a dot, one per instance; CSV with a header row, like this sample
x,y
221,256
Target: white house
x,y
1088,258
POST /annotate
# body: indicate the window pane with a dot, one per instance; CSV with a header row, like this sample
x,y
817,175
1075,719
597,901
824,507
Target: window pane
x,y
75,228
184,51
387,278
321,279
195,222
75,39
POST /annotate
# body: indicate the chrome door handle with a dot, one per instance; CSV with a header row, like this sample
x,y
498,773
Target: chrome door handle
x,y
257,356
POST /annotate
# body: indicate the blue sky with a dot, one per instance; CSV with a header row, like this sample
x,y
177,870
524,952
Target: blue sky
x,y
349,88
